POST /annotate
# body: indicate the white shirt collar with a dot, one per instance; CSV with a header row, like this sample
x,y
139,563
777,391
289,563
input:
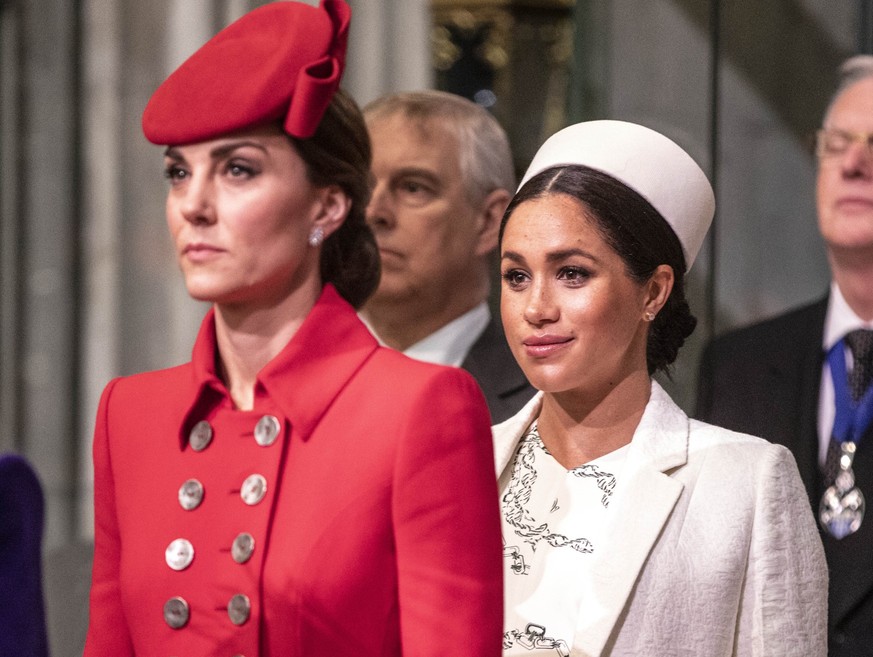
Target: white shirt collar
x,y
840,319
450,344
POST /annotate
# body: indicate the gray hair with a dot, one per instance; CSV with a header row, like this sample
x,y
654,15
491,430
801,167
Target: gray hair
x,y
483,148
854,69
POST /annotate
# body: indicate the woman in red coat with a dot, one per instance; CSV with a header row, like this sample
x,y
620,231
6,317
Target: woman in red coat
x,y
295,489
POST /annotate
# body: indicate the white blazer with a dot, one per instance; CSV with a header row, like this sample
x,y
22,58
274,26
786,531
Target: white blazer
x,y
712,550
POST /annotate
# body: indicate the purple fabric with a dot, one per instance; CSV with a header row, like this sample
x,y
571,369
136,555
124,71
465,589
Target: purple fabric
x,y
22,623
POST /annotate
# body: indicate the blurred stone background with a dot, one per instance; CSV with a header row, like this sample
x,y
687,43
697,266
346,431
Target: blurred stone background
x,y
88,286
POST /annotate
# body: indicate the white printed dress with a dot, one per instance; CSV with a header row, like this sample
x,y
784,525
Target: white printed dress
x,y
552,520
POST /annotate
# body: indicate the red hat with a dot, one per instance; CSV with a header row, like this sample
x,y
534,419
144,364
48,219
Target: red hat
x,y
280,62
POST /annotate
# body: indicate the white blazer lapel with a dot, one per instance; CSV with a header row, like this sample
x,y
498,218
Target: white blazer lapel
x,y
645,496
507,434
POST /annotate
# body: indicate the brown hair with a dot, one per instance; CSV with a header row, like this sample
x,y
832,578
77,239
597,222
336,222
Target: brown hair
x,y
339,154
637,232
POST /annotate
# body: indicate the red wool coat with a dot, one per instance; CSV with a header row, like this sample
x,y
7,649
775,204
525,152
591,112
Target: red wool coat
x,y
362,521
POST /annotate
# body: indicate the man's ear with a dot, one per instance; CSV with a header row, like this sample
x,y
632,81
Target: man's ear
x,y
490,216
335,207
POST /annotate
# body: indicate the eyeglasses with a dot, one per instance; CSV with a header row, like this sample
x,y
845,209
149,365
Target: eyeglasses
x,y
830,142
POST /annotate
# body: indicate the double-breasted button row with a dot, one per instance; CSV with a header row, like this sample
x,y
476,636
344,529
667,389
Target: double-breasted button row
x,y
180,553
267,430
177,612
252,491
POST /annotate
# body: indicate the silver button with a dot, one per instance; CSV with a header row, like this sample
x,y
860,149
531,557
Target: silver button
x,y
239,608
200,436
253,489
243,547
176,612
179,554
267,430
191,494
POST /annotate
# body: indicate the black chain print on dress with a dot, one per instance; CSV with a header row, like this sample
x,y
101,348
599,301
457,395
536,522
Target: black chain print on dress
x,y
605,480
517,497
534,638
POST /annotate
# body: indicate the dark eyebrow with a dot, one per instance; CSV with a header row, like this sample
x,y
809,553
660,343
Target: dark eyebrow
x,y
220,151
557,256
552,256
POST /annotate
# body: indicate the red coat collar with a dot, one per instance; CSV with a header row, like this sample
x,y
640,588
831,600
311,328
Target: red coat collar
x,y
303,379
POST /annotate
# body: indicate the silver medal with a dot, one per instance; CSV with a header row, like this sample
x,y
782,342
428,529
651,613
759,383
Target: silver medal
x,y
842,506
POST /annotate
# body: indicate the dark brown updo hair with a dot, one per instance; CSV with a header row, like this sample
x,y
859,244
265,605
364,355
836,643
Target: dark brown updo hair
x,y
637,232
339,154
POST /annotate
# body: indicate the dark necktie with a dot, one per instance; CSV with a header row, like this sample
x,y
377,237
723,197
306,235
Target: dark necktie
x,y
860,343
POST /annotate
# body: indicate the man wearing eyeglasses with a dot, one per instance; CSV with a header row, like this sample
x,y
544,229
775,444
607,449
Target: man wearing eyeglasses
x,y
803,379
444,176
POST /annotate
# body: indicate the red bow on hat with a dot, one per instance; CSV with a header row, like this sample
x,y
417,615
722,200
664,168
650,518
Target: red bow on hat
x,y
317,83
281,62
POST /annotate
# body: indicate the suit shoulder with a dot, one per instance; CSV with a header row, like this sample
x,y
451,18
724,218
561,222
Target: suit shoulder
x,y
502,380
768,339
775,328
490,350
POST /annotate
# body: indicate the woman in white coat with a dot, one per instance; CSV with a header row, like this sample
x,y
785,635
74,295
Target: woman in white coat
x,y
630,529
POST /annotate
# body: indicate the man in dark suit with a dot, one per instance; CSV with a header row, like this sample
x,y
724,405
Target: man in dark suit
x,y
803,379
444,176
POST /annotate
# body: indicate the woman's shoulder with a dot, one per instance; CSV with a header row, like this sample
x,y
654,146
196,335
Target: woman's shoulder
x,y
703,431
737,449
713,434
167,382
406,383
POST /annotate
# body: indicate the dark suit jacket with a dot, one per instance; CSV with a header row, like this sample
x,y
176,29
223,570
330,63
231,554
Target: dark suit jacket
x,y
764,380
494,367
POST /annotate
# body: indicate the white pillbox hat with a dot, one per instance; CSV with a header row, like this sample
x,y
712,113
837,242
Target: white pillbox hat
x,y
646,161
